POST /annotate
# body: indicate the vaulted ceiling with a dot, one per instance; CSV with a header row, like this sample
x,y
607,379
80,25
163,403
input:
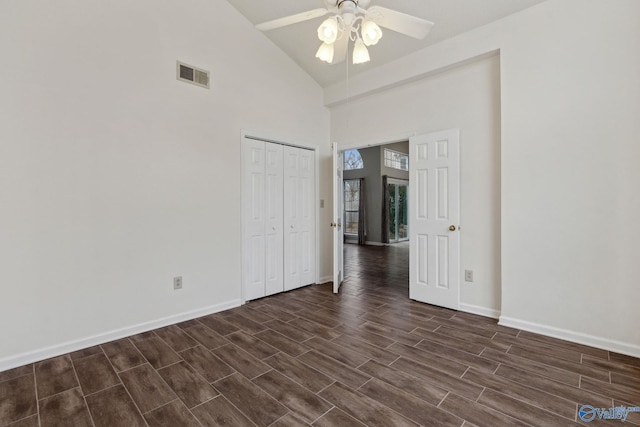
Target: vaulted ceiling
x,y
300,42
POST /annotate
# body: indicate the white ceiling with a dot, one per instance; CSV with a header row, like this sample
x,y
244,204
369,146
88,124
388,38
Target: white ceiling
x,y
300,41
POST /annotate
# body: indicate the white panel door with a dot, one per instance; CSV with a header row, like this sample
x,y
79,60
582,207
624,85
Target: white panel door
x,y
338,212
291,219
307,216
434,266
273,201
254,218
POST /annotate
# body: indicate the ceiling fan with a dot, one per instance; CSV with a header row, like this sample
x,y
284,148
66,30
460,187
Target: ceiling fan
x,y
353,20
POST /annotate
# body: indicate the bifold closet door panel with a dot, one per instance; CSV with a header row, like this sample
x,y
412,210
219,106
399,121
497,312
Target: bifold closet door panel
x,y
274,224
299,217
307,217
291,219
254,219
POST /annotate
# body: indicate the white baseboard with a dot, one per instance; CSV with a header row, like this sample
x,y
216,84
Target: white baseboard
x,y
577,337
480,311
75,345
325,279
370,243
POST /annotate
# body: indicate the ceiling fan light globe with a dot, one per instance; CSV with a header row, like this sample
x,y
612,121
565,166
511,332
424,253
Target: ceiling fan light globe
x,y
360,52
325,53
371,33
328,31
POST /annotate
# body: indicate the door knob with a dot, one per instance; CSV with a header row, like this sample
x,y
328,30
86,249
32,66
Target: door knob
x,y
339,225
452,228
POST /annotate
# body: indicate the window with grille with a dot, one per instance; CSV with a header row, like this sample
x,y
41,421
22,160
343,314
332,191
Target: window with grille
x,y
396,160
351,204
353,160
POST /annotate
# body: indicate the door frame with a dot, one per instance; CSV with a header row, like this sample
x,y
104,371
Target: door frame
x,y
263,136
404,138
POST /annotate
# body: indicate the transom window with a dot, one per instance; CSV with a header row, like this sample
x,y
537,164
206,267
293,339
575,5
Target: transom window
x,y
396,160
353,160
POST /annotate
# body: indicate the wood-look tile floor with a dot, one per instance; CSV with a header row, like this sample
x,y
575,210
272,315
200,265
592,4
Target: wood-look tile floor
x,y
369,356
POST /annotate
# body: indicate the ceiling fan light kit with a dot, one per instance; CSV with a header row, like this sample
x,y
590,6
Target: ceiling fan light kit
x,y
352,21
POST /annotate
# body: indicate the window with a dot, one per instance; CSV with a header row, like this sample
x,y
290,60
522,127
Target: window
x,y
396,160
351,204
353,160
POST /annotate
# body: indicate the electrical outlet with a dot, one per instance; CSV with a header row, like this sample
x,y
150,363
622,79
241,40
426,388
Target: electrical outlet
x,y
177,282
468,275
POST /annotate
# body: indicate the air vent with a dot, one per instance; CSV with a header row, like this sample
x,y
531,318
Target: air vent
x,y
193,75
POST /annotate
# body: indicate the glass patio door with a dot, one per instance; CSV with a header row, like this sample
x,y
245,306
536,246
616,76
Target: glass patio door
x,y
398,210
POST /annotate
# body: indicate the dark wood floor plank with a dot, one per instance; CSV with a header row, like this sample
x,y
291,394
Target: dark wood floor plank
x,y
302,401
114,407
16,372
580,348
206,364
176,338
391,320
320,318
123,354
299,372
548,385
254,402
551,360
615,391
470,337
370,337
95,373
570,378
476,414
535,397
315,328
361,407
391,333
539,346
625,380
337,417
439,378
171,415
219,412
17,399
80,354
522,411
462,357
334,369
291,420
272,312
282,343
409,405
252,345
241,322
337,352
54,376
241,361
367,350
404,381
190,387
218,324
157,352
147,388
207,337
67,408
450,342
289,330
623,358
612,366
442,363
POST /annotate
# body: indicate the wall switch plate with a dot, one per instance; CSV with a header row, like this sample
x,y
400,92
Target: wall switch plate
x,y
468,275
177,282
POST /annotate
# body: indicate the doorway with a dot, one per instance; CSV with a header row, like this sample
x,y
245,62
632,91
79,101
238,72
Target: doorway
x,y
398,210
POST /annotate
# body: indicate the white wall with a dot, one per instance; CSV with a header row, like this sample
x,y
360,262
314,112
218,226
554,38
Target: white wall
x,y
115,177
570,101
467,97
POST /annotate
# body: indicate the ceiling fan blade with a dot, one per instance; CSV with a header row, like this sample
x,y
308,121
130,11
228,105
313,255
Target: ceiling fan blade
x,y
340,48
409,25
293,19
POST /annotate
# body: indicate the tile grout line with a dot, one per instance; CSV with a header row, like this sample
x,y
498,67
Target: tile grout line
x,y
84,399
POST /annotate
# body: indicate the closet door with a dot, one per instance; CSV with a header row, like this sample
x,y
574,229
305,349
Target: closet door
x,y
299,218
307,222
253,194
274,256
291,219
